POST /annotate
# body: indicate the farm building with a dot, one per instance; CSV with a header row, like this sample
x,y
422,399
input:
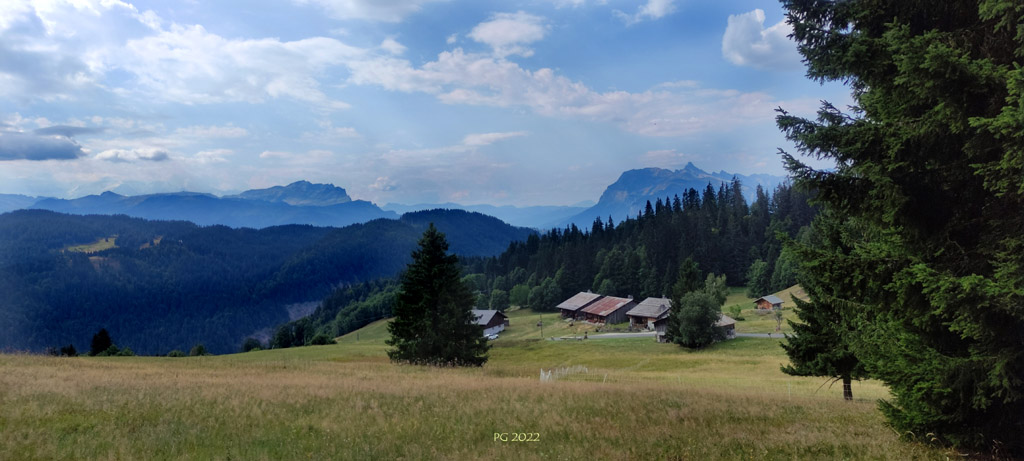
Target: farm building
x,y
769,302
570,308
726,323
492,320
647,312
608,309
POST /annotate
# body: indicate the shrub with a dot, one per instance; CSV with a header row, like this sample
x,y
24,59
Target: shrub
x,y
198,350
322,339
251,344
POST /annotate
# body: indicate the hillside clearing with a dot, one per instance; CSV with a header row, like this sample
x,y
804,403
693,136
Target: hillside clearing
x,y
99,245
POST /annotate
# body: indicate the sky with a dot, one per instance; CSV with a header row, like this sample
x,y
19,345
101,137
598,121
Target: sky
x,y
535,102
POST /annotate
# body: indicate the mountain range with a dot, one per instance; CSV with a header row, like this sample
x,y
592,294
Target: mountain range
x,y
303,202
297,203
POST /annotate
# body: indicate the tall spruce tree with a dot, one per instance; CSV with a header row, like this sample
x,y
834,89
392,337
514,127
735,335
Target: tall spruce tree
x,y
433,322
929,183
820,343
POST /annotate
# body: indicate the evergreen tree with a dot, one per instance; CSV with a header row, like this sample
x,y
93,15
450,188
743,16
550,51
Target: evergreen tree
x,y
929,187
100,342
433,322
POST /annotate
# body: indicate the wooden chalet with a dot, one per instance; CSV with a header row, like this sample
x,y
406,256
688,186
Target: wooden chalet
x,y
570,308
608,309
492,320
647,312
769,302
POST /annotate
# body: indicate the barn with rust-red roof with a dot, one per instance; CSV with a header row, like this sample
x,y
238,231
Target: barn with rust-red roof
x,y
608,310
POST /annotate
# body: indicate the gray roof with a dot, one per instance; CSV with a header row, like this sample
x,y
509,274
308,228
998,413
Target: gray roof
x,y
651,307
483,317
579,300
771,299
724,321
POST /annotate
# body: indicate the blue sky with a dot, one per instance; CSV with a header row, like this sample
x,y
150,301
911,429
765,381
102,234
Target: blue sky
x,y
539,102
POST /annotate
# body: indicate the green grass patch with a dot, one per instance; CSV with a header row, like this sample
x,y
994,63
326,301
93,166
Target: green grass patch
x,y
105,243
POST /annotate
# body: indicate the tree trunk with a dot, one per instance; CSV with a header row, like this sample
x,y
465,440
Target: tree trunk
x,y
847,388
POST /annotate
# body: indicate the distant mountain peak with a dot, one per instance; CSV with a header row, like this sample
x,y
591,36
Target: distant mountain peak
x,y
299,193
629,194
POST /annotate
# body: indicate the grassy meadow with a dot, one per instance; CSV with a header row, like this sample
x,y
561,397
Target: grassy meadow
x,y
105,243
637,400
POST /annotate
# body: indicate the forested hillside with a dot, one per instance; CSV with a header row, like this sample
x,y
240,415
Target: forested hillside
x,y
639,257
162,285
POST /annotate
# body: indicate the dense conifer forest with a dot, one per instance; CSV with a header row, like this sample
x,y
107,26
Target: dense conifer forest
x,y
637,257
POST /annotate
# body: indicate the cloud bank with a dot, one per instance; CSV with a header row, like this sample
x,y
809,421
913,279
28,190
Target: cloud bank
x,y
747,43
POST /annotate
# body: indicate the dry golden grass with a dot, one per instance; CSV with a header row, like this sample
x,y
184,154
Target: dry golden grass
x,y
348,402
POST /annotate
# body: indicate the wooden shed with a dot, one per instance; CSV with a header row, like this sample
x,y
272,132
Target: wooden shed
x,y
727,325
769,302
570,308
647,312
608,309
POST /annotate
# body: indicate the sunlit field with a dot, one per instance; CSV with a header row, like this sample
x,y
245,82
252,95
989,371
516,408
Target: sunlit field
x,y
620,399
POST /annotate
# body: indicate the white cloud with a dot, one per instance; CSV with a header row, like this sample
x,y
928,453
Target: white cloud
x,y
747,43
52,49
653,9
457,77
507,33
189,65
212,156
665,158
207,132
369,10
329,133
569,3
275,154
133,155
451,39
483,139
392,46
383,184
